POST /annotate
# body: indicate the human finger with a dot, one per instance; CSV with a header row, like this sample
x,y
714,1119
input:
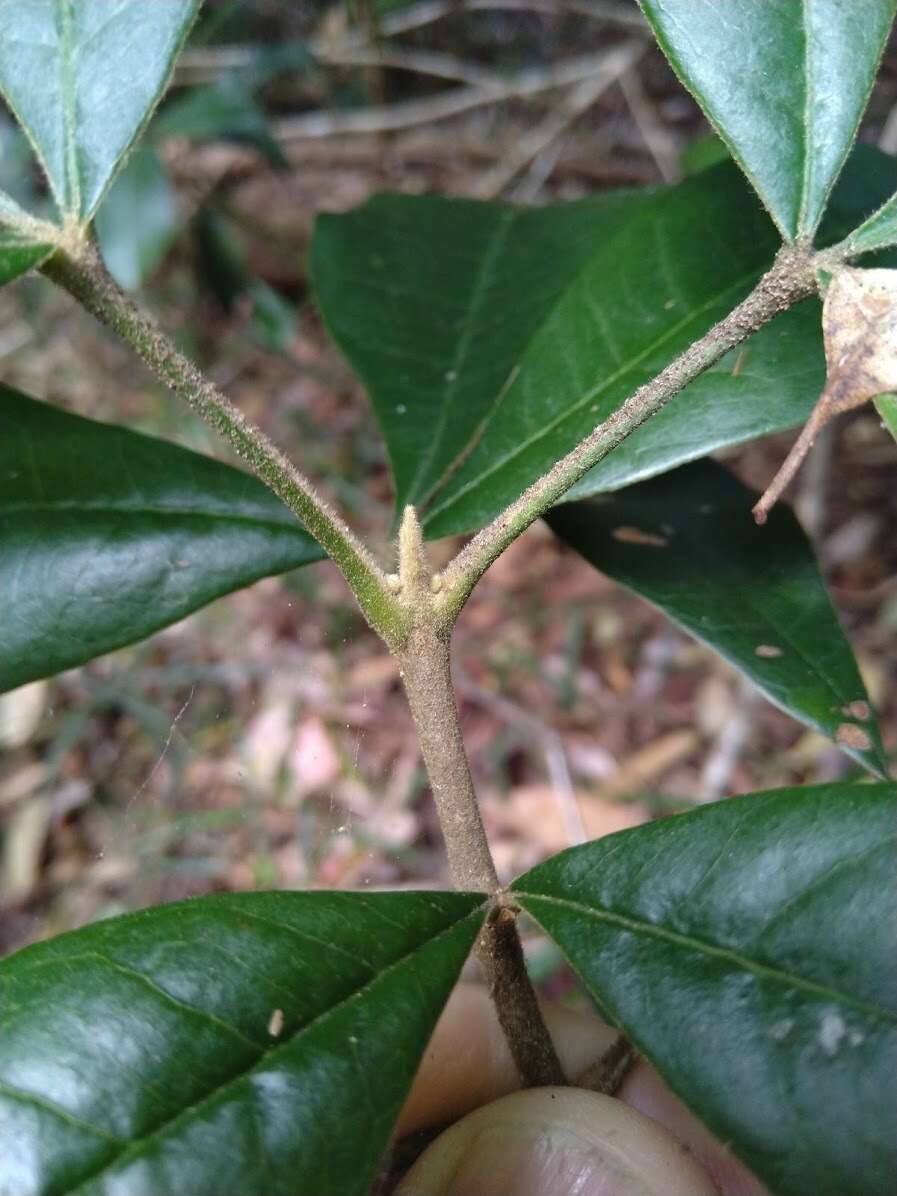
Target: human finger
x,y
556,1142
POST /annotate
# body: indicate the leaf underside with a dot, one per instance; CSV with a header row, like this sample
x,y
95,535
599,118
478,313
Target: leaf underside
x,y
785,83
748,950
82,78
256,1043
138,220
107,535
688,544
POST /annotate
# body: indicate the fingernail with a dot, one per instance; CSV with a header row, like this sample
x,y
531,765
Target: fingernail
x,y
511,1161
556,1142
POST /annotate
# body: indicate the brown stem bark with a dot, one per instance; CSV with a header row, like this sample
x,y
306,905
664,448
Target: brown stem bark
x,y
426,672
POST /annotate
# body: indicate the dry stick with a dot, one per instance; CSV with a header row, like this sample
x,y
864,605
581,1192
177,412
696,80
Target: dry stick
x,y
790,279
828,406
658,140
421,62
407,114
81,272
426,673
205,64
574,104
208,63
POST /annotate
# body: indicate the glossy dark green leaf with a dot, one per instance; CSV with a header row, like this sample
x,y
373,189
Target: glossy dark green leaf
x,y
107,535
688,543
749,950
492,339
138,220
259,1044
18,254
784,82
82,77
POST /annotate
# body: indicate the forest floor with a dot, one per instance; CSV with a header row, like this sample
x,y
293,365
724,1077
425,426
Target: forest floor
x,y
265,740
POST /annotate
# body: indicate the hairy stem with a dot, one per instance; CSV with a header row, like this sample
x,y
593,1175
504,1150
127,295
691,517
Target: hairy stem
x,y
81,272
426,672
790,279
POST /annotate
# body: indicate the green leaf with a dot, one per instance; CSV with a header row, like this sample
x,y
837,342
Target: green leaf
x,y
784,82
702,153
492,339
748,950
879,231
224,269
82,77
146,1054
273,317
768,383
19,254
687,542
107,535
886,405
138,219
220,113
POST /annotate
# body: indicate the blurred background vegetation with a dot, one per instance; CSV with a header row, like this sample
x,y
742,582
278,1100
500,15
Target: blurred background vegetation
x,y
265,741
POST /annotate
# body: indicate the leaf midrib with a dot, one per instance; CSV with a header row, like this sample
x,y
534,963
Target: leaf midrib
x,y
498,399
67,87
483,278
692,943
134,1146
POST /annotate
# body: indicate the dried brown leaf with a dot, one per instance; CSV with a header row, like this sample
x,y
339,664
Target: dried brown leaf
x,y
859,327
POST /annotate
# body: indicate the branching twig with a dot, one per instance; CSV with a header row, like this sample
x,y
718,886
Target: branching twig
x,y
790,279
823,413
81,272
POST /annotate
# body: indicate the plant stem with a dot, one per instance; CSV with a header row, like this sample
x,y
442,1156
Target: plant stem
x,y
790,279
81,272
426,672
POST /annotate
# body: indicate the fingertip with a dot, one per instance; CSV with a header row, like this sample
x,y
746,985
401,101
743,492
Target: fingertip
x,y
551,1142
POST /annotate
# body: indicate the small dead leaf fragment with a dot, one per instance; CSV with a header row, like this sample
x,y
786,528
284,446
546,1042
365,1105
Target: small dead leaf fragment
x,y
859,327
275,1023
634,535
859,324
853,736
767,651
